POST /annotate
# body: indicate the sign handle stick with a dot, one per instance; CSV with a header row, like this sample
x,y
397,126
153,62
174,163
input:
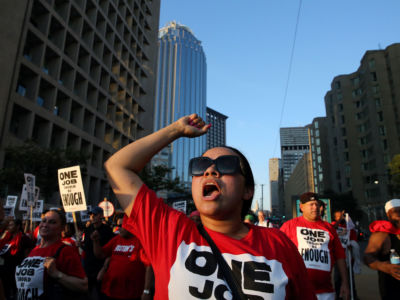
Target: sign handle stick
x,y
350,274
76,227
30,224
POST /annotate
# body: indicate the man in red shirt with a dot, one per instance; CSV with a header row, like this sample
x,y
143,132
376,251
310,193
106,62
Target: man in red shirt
x,y
320,247
126,276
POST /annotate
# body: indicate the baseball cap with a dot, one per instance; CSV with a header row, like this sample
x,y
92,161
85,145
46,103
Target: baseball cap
x,y
392,204
309,196
96,210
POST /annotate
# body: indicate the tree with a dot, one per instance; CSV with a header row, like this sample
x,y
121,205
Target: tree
x,y
344,201
157,178
41,162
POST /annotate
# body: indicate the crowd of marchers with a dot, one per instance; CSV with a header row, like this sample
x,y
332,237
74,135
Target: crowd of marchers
x,y
220,251
100,261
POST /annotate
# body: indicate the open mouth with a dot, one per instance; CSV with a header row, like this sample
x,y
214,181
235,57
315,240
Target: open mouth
x,y
209,189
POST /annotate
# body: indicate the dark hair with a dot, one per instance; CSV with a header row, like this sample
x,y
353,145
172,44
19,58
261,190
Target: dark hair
x,y
61,214
18,223
248,178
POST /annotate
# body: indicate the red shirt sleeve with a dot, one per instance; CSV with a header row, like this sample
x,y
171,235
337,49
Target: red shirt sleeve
x,y
69,262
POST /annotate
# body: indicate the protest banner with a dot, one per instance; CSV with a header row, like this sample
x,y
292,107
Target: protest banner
x,y
36,212
85,216
180,205
30,189
11,201
23,204
69,217
71,189
9,211
108,208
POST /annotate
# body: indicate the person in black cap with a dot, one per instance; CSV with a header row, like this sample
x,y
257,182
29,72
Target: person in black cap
x,y
91,264
320,247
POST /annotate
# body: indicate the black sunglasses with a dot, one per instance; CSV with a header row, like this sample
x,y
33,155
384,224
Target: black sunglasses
x,y
226,164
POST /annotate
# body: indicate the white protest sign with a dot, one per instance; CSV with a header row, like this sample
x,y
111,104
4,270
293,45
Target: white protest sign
x,y
30,188
71,189
23,204
36,213
180,205
11,201
108,208
69,217
85,216
9,211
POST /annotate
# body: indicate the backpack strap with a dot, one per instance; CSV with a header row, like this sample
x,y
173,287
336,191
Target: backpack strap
x,y
59,251
234,286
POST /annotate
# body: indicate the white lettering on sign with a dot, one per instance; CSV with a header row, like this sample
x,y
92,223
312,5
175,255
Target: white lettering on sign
x,y
313,247
71,189
195,275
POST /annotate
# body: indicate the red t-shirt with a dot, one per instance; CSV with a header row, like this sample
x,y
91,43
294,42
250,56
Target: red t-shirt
x,y
124,278
31,275
319,245
265,261
345,235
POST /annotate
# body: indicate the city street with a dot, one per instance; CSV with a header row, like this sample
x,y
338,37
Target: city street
x,y
367,281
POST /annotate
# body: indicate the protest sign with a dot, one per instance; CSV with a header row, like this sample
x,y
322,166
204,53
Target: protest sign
x,y
108,208
71,189
36,212
23,204
9,211
180,205
85,214
69,217
11,201
30,188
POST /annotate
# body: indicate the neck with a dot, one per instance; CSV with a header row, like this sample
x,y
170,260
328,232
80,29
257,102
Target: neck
x,y
232,228
47,242
311,219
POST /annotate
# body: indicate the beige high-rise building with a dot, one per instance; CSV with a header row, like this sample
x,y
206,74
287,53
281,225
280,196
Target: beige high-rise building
x,y
363,115
274,166
78,74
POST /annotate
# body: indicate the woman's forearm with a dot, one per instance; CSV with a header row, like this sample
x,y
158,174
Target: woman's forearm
x,y
122,168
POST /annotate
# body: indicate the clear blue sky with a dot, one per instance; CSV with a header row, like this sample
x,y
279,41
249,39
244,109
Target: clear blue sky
x,y
248,46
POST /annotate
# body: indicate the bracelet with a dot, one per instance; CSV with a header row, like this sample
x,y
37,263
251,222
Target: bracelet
x,y
146,292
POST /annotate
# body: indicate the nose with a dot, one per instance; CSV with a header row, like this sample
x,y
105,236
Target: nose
x,y
212,171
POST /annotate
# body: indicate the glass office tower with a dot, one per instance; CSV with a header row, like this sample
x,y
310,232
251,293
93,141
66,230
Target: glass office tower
x,y
181,90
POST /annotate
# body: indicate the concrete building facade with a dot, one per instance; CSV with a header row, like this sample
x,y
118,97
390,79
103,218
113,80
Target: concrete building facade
x,y
78,74
216,135
274,167
294,143
362,109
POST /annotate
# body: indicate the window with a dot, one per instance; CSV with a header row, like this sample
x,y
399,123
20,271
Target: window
x,y
373,75
382,130
340,107
337,85
380,116
345,143
355,81
372,63
377,102
346,156
344,131
375,89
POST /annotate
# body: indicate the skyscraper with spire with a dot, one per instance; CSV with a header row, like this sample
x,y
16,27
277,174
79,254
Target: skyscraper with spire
x,y
181,90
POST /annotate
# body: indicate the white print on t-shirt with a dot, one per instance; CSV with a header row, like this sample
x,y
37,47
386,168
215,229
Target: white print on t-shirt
x,y
5,249
344,236
124,248
29,278
313,247
195,275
